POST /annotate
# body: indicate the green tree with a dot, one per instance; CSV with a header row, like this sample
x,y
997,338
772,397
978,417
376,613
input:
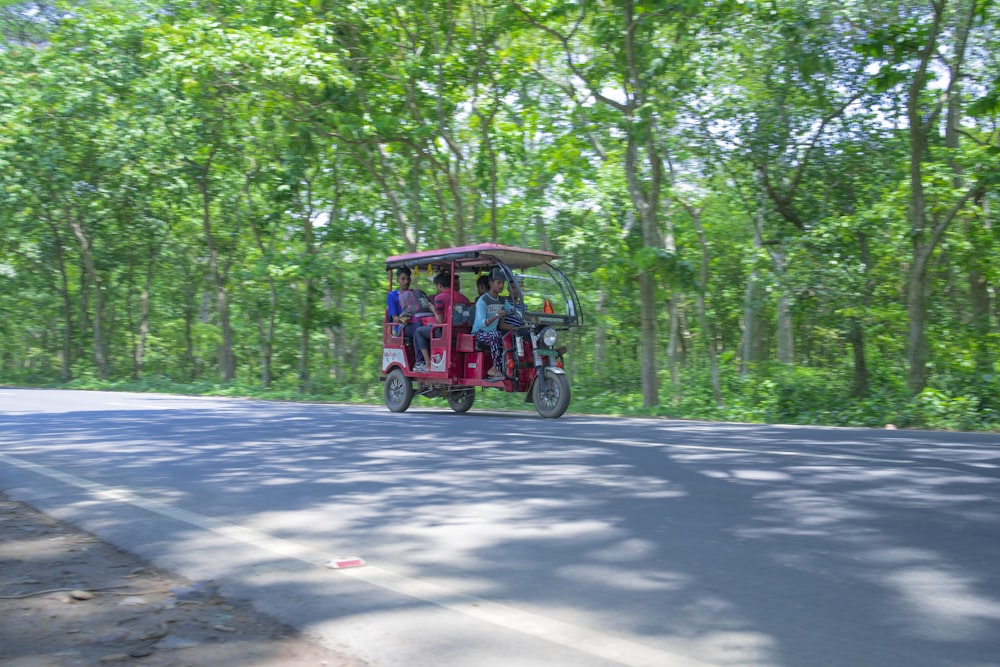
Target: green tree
x,y
926,54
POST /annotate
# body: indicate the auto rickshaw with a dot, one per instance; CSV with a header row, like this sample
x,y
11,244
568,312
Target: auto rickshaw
x,y
532,360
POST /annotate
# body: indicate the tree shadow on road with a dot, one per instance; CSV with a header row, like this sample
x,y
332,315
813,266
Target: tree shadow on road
x,y
734,544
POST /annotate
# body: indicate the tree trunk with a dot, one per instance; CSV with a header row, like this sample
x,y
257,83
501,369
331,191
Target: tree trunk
x,y
406,227
140,347
65,300
227,361
926,230
707,330
265,325
100,360
979,290
856,337
355,349
916,285
856,330
144,310
786,331
647,331
786,326
337,333
645,199
916,338
306,319
752,346
305,330
601,333
67,337
189,311
675,342
783,311
674,347
644,182
488,145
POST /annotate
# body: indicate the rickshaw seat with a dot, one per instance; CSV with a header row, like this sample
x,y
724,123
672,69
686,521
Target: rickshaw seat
x,y
462,314
465,343
468,343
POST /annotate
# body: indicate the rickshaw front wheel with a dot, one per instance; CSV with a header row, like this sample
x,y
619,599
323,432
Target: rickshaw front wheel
x,y
460,401
398,391
552,401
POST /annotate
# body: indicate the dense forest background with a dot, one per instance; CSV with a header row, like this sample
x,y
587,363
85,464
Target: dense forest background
x,y
779,210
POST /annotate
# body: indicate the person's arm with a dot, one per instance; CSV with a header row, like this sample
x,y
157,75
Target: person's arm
x,y
480,322
441,305
503,324
392,307
496,320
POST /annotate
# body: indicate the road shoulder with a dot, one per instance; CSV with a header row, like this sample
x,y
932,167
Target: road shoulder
x,y
70,599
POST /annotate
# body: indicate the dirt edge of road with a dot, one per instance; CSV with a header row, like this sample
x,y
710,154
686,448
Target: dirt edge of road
x,y
67,599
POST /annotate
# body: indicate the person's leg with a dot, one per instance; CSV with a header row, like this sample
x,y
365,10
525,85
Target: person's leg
x,y
410,332
496,351
422,344
492,340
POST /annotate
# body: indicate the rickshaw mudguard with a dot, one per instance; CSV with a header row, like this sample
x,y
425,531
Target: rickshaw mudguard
x,y
531,386
392,357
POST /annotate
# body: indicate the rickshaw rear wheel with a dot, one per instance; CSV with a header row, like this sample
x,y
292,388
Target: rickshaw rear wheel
x,y
552,401
461,400
398,391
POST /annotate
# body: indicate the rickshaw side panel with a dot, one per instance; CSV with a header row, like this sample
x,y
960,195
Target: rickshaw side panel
x,y
394,352
473,365
465,343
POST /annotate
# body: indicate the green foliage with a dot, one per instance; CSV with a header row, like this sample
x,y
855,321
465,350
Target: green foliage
x,y
948,413
186,183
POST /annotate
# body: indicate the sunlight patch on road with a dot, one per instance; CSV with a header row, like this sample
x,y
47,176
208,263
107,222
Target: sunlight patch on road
x,y
943,605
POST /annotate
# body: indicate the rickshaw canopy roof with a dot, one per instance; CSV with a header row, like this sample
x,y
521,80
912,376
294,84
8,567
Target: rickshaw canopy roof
x,y
473,256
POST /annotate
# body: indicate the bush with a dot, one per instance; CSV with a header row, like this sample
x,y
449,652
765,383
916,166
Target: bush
x,y
937,409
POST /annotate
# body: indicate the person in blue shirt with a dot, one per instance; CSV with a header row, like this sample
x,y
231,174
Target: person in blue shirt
x,y
393,309
485,327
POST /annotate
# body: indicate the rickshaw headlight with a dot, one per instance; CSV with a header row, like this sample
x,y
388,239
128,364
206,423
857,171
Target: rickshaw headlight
x,y
549,336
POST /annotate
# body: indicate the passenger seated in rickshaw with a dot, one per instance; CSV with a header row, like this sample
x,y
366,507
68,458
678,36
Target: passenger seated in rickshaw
x,y
416,308
482,286
392,307
513,307
489,315
443,302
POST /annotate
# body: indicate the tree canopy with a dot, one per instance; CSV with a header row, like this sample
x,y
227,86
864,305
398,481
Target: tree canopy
x,y
771,210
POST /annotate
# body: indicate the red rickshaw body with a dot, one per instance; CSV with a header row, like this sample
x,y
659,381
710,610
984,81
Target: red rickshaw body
x,y
457,365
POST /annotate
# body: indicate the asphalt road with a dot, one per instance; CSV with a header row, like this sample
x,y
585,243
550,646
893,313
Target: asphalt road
x,y
498,539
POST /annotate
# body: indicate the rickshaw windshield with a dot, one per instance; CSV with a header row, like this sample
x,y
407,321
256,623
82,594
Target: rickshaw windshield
x,y
549,298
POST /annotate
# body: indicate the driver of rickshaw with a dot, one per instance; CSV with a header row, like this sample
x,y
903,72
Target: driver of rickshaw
x,y
489,315
513,307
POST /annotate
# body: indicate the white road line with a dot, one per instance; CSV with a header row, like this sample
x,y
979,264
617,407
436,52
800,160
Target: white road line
x,y
586,640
